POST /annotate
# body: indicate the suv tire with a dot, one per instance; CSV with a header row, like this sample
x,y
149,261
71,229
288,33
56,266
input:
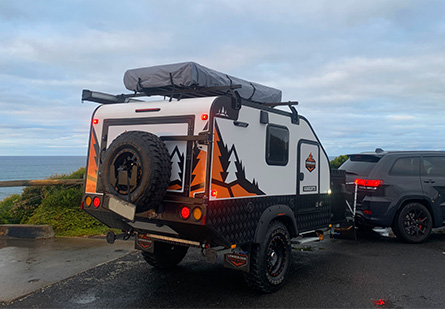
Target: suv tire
x,y
413,223
165,255
137,168
270,260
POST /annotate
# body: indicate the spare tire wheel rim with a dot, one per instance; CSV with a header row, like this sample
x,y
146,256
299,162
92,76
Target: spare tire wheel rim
x,y
126,171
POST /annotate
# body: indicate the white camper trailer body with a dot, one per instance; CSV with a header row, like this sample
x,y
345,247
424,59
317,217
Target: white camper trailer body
x,y
245,178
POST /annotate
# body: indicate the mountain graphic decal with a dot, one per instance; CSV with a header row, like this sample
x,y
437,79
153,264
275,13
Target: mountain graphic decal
x,y
228,172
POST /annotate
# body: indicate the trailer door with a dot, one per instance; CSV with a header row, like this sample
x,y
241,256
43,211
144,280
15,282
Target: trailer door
x,y
308,176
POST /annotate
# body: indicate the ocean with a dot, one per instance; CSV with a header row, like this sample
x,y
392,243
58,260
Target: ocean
x,y
35,167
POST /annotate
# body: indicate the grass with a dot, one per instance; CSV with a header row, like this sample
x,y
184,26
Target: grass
x,y
58,206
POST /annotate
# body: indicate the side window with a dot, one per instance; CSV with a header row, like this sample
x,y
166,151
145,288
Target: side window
x,y
277,145
406,167
434,166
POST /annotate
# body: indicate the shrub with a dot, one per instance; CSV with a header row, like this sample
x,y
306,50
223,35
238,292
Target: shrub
x,y
335,164
58,206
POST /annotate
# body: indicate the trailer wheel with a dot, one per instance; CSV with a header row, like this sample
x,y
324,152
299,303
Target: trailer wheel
x,y
270,260
165,255
413,223
137,168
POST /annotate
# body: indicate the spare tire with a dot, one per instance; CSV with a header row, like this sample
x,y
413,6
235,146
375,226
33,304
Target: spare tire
x,y
137,168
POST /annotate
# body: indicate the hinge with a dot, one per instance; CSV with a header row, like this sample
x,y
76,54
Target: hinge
x,y
205,138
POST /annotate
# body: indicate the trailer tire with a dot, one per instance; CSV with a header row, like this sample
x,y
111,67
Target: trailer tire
x,y
270,260
165,256
137,168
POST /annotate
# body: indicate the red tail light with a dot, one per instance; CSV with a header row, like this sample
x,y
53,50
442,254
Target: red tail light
x,y
96,202
204,116
369,183
185,213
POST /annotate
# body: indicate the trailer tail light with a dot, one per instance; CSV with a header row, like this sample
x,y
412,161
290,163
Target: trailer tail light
x,y
372,184
197,213
185,213
96,202
95,121
204,116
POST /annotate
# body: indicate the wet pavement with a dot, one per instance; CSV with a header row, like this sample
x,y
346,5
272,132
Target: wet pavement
x,y
30,265
373,271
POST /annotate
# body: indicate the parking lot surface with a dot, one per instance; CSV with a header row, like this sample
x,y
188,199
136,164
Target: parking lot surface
x,y
373,271
27,265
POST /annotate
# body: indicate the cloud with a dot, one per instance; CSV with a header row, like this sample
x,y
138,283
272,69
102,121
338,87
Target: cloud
x,y
368,75
400,117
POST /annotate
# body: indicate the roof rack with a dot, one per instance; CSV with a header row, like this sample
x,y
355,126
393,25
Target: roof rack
x,y
173,92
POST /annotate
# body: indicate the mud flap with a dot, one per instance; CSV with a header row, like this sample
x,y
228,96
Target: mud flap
x,y
238,261
144,243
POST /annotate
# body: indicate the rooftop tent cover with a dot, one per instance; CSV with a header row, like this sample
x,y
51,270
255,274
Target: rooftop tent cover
x,y
191,74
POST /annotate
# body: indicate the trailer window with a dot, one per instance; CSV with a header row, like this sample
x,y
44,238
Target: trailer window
x,y
277,145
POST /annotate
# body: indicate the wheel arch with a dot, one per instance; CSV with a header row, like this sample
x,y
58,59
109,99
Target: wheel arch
x,y
425,202
281,213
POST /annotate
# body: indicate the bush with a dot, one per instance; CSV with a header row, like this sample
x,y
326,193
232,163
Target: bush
x,y
6,214
61,210
335,164
58,206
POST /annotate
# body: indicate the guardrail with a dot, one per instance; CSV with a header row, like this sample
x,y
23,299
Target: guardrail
x,y
40,182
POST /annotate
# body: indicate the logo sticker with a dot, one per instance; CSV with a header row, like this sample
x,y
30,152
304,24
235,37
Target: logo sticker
x,y
237,260
310,163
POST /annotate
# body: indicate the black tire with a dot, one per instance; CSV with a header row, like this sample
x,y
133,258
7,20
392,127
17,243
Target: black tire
x,y
165,255
413,223
137,168
270,260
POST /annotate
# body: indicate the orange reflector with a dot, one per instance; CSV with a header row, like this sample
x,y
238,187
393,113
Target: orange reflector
x,y
214,193
95,121
88,201
204,117
185,213
96,202
197,213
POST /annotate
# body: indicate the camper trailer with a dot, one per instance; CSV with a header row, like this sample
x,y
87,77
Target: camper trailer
x,y
218,163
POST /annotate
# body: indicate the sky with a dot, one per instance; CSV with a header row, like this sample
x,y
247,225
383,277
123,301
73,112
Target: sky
x,y
366,74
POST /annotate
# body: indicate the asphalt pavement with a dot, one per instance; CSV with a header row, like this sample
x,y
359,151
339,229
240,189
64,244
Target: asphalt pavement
x,y
28,265
374,271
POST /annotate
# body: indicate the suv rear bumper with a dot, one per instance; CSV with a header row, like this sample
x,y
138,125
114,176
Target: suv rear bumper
x,y
375,211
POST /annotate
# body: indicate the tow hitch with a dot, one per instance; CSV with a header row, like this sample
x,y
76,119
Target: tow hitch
x,y
111,237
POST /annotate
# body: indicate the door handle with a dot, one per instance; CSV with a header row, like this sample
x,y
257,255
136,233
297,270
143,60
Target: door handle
x,y
429,181
301,176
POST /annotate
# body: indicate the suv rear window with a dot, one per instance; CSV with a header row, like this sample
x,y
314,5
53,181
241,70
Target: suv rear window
x,y
359,164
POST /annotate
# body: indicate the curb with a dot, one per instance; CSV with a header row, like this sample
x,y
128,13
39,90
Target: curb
x,y
26,231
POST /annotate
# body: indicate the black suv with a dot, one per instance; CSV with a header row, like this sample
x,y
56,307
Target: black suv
x,y
404,190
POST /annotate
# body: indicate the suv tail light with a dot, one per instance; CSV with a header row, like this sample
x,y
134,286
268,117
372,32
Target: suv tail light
x,y
368,183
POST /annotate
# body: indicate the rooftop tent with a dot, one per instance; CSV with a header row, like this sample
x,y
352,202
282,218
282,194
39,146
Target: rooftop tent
x,y
191,75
